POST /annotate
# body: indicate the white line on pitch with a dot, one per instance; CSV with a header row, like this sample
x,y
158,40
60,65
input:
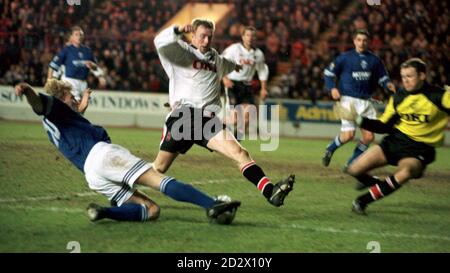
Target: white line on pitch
x,y
47,198
290,226
363,232
50,209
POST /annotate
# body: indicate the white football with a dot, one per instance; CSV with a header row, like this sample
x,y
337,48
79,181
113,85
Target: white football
x,y
224,198
227,217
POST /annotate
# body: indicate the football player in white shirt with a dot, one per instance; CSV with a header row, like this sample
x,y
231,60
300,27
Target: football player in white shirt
x,y
237,85
195,71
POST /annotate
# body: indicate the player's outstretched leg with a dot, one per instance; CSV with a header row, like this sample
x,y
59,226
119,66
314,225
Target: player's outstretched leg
x,y
186,193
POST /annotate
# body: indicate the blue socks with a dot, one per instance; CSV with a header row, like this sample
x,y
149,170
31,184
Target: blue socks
x,y
336,143
170,187
185,193
360,148
126,212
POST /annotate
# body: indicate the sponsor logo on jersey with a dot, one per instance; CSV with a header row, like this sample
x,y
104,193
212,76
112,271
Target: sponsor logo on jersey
x,y
202,65
361,75
416,117
79,63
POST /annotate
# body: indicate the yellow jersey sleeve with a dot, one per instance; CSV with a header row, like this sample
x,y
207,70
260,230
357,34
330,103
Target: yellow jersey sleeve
x,y
389,112
446,98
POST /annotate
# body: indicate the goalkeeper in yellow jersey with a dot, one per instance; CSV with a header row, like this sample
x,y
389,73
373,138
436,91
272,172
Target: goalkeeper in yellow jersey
x,y
414,119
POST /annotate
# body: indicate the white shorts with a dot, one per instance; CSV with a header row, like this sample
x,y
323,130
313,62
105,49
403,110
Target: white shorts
x,y
78,86
363,107
111,170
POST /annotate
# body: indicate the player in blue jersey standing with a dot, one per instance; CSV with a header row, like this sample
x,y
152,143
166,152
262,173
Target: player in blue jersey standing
x,y
357,71
77,60
109,169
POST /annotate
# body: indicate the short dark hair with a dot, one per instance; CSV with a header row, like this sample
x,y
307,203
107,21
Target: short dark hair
x,y
250,28
203,22
417,63
361,31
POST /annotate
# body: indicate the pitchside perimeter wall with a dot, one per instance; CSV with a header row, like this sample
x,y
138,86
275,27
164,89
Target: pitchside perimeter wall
x,y
111,108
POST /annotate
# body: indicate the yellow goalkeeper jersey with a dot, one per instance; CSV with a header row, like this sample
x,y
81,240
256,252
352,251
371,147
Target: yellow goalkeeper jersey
x,y
421,115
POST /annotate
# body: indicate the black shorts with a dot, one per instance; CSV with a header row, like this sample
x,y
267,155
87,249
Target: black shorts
x,y
186,126
397,146
241,93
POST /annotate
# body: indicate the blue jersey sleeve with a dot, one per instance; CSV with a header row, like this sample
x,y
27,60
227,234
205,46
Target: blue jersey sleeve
x,y
381,74
332,72
59,59
91,56
54,109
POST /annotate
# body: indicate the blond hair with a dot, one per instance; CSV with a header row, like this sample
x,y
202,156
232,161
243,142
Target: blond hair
x,y
203,22
57,88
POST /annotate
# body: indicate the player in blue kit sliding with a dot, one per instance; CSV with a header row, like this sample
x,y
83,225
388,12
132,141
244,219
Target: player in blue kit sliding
x,y
109,169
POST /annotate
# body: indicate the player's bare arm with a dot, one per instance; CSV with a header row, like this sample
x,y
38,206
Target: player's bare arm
x,y
263,91
84,103
32,98
335,94
391,87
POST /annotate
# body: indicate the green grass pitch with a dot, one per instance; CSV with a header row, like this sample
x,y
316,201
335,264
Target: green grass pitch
x,y
43,200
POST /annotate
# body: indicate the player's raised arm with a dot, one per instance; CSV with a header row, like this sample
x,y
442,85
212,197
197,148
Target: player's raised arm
x,y
171,47
33,99
84,103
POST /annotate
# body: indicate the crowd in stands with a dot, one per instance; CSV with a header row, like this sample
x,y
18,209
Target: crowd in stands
x,y
306,35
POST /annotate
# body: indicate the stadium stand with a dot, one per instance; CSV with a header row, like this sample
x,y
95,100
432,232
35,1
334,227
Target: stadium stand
x,y
299,38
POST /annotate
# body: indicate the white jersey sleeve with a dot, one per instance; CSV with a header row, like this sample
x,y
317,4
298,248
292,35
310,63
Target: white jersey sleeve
x,y
261,67
172,48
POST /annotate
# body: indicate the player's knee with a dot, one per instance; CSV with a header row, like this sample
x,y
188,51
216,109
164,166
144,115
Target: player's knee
x,y
346,137
366,139
153,211
353,170
242,154
414,172
161,168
